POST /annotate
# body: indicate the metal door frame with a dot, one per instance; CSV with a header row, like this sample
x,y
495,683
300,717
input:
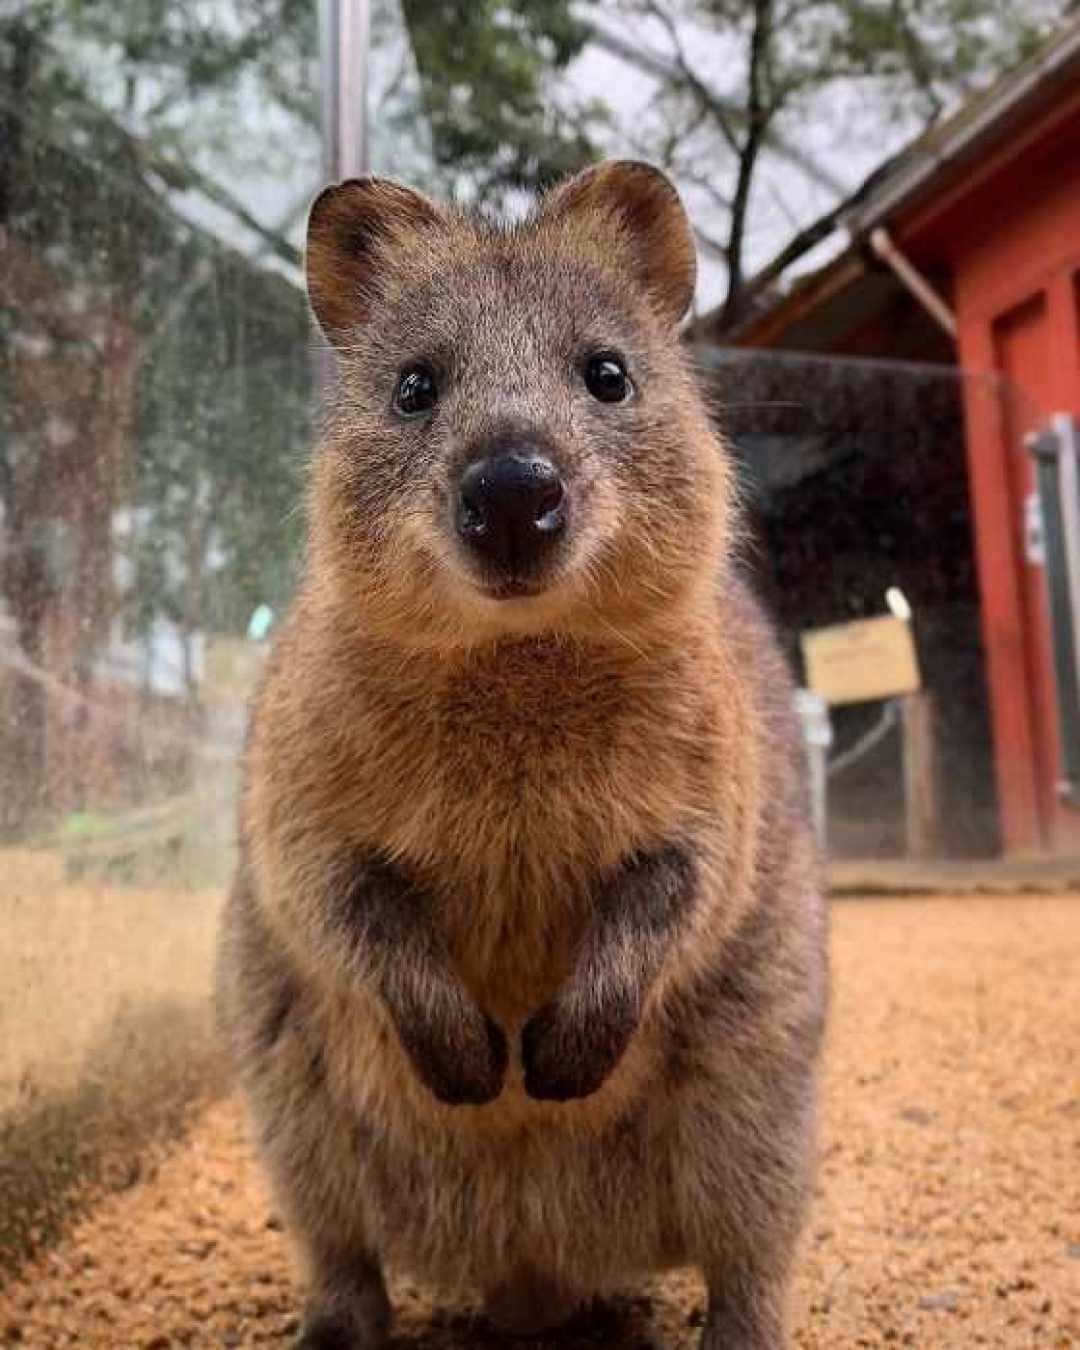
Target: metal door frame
x,y
1056,450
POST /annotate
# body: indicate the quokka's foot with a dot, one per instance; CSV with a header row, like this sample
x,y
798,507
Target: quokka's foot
x,y
530,1303
753,1321
356,1320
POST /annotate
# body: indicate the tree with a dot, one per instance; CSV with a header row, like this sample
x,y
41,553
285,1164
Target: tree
x,y
781,61
155,391
486,71
119,319
68,364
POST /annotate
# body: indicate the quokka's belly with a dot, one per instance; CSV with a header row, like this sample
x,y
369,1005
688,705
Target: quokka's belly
x,y
466,1196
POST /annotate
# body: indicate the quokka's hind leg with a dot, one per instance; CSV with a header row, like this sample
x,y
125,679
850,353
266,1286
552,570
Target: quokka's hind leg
x,y
747,1190
530,1302
347,1309
743,1191
749,1224
746,1311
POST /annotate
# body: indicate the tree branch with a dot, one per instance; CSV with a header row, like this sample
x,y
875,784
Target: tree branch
x,y
712,244
663,69
707,186
759,111
805,240
701,91
184,177
920,65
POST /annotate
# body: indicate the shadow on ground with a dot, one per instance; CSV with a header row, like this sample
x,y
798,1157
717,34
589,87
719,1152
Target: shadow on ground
x,y
617,1321
138,1087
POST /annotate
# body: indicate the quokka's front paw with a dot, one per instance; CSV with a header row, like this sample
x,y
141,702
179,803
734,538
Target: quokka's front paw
x,y
463,1064
568,1054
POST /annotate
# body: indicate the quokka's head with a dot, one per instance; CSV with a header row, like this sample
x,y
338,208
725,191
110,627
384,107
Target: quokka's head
x,y
517,444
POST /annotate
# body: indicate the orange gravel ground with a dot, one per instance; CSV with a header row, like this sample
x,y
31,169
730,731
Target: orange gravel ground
x,y
948,1212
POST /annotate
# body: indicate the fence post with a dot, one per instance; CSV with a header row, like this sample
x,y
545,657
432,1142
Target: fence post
x,y
921,794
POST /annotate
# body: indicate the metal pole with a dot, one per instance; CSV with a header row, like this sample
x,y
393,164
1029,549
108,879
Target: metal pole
x,y
1055,452
1068,430
344,36
345,30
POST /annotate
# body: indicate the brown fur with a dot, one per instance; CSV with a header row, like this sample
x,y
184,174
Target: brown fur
x,y
524,967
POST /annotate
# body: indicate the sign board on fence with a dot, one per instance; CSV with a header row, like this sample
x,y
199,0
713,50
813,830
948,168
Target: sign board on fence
x,y
863,660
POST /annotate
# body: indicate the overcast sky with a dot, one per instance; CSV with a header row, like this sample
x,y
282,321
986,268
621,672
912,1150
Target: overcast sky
x,y
273,164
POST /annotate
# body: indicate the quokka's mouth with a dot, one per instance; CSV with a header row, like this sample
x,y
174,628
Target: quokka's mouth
x,y
512,588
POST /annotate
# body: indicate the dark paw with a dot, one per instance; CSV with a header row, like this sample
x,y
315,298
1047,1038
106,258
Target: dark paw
x,y
468,1072
478,1077
565,1057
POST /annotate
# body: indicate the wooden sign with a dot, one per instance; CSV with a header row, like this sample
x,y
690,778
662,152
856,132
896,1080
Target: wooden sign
x,y
856,662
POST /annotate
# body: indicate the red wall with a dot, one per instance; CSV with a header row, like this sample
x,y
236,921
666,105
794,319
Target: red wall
x,y
1011,236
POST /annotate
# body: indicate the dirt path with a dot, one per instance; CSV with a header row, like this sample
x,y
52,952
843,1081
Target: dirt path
x,y
949,1205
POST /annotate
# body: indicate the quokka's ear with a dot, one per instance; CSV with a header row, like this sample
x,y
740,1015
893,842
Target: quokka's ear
x,y
641,208
356,230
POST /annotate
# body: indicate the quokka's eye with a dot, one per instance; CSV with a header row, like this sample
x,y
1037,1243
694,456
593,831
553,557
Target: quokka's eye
x,y
416,392
606,378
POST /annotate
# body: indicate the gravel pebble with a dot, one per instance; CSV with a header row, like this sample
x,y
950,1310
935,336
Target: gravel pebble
x,y
948,1205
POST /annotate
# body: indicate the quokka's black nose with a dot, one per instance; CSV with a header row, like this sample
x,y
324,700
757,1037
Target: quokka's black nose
x,y
511,508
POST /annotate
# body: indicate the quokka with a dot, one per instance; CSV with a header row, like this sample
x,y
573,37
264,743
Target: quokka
x,y
524,967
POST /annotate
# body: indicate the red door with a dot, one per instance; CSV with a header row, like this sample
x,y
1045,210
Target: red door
x,y
1022,342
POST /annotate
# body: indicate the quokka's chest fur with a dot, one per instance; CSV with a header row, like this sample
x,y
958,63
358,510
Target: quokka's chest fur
x,y
526,757
509,779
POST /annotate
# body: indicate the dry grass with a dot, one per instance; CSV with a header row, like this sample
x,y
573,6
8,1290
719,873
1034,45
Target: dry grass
x,y
949,1205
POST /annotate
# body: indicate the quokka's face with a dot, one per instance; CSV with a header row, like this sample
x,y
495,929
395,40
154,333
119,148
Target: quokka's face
x,y
517,445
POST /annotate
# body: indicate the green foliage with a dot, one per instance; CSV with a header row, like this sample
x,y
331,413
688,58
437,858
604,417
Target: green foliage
x,y
930,53
199,452
111,116
485,71
225,424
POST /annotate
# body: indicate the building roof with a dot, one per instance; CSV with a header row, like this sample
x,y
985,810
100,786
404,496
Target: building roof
x,y
921,173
